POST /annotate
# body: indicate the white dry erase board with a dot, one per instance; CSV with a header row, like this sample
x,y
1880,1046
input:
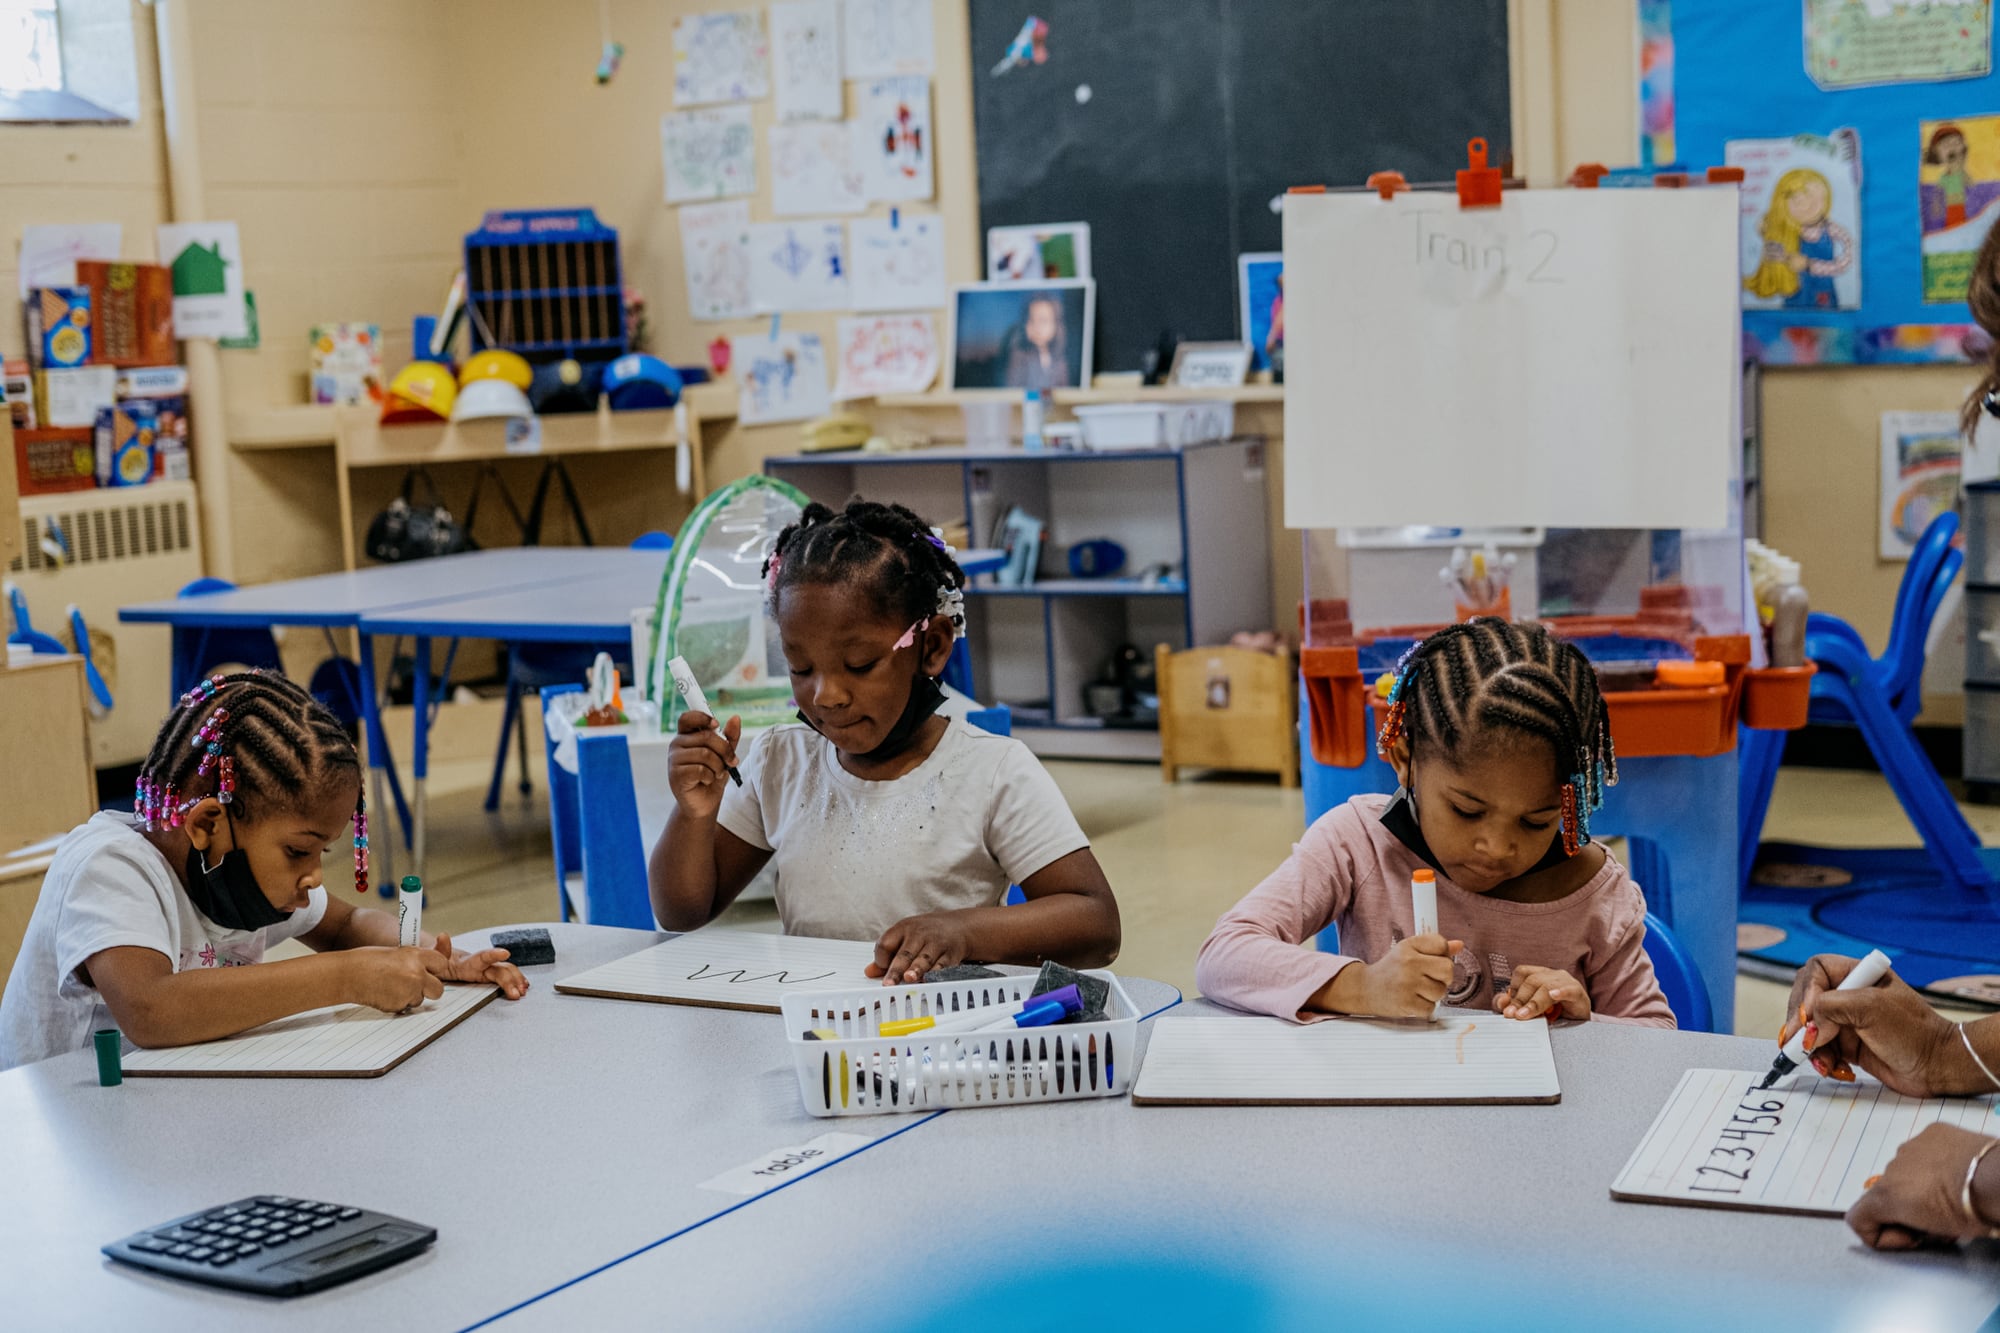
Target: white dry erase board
x,y
1808,1145
728,969
1568,359
1466,1056
345,1041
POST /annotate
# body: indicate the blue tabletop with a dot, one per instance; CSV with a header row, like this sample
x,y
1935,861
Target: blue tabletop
x,y
589,609
343,599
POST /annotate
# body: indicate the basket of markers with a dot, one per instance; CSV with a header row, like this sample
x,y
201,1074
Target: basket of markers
x,y
992,1040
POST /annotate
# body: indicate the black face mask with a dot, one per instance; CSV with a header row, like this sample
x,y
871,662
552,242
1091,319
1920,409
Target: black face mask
x,y
227,894
1400,818
926,697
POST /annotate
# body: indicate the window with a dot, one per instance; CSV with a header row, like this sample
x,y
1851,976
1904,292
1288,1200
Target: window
x,y
67,60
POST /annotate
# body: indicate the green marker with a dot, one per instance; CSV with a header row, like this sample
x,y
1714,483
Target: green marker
x,y
410,911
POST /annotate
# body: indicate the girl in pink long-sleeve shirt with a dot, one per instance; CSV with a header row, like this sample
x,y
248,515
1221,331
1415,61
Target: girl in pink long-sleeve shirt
x,y
1503,747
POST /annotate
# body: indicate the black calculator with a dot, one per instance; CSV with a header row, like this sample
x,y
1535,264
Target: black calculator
x,y
274,1245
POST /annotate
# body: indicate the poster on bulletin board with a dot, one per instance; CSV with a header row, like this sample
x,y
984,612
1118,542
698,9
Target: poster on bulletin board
x,y
1911,90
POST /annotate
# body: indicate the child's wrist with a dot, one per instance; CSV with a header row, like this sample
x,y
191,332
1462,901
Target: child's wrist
x,y
1343,994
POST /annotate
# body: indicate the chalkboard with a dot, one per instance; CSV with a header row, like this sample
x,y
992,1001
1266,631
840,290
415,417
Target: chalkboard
x,y
1170,125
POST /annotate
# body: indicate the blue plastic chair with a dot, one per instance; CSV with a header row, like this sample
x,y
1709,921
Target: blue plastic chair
x,y
534,667
197,648
24,631
1882,697
1679,978
565,811
80,634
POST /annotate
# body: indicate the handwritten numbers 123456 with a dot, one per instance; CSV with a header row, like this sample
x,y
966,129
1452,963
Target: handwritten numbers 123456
x,y
1748,1128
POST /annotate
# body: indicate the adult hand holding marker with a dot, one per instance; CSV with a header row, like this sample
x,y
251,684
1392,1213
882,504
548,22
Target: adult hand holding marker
x,y
1808,1036
704,750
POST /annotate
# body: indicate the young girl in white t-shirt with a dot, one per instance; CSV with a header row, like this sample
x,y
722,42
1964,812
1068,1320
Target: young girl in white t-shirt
x,y
887,820
146,921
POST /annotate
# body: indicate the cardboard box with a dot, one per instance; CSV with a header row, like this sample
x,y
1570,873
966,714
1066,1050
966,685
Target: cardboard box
x,y
171,459
58,327
47,462
346,363
124,444
132,311
71,399
153,382
17,385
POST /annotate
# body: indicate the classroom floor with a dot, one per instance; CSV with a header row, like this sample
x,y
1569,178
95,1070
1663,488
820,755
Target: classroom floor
x,y
1178,855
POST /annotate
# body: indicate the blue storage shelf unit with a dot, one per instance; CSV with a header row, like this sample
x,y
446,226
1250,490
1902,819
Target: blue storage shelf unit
x,y
546,283
1201,512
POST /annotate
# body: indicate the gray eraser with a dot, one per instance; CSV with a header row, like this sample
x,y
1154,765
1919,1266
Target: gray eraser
x,y
962,972
1094,990
525,948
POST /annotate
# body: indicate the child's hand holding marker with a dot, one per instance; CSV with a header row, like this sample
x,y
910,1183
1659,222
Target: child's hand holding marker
x,y
699,760
1543,992
1406,982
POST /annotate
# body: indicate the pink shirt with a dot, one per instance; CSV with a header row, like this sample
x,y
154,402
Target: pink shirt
x,y
1351,871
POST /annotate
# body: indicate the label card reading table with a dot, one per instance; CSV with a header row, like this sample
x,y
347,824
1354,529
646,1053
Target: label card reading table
x,y
1807,1145
728,969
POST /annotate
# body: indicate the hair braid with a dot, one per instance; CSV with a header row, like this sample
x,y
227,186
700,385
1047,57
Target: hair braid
x,y
887,551
1488,673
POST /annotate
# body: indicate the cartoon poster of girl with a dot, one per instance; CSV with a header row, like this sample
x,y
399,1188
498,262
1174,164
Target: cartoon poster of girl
x,y
1801,222
1958,182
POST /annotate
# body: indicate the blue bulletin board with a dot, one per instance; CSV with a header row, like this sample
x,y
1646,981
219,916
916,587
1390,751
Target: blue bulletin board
x,y
1739,73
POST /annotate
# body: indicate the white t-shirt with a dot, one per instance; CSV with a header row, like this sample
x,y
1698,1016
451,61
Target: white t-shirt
x,y
107,887
854,857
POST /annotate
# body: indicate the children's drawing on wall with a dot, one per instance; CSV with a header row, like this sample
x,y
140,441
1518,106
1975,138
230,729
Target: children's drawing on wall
x,y
895,138
1260,294
708,154
813,170
886,354
1958,186
1656,83
797,266
896,263
720,58
1036,254
782,377
1922,456
1801,229
805,59
715,249
1022,336
886,37
1852,43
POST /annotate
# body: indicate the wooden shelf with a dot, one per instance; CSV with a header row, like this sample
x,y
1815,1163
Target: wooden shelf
x,y
366,442
1136,393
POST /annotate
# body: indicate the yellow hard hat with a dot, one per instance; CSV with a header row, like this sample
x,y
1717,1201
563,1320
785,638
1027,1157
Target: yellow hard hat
x,y
497,363
421,391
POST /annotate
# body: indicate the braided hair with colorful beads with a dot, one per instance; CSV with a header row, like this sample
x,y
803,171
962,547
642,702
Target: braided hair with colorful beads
x,y
1488,673
255,741
903,562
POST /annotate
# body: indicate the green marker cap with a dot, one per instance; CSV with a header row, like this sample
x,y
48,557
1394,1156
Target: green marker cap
x,y
110,1057
411,884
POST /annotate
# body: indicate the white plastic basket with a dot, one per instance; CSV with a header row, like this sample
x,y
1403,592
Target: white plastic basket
x,y
1115,426
863,1073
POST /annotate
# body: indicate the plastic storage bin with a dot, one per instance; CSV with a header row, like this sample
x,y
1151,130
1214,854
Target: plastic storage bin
x,y
1155,425
863,1073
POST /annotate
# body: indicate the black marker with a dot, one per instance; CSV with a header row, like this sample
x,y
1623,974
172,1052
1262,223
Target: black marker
x,y
1865,974
690,689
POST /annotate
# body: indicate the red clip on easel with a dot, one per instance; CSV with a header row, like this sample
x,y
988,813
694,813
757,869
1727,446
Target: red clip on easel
x,y
1478,184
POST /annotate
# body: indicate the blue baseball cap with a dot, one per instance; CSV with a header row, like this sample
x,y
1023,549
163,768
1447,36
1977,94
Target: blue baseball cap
x,y
640,381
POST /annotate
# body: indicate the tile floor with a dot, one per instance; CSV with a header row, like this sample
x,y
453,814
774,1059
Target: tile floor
x,y
1178,856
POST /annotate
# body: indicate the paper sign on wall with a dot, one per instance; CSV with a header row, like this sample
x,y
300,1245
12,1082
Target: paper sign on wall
x,y
715,250
1958,186
886,354
805,59
49,252
1850,45
1922,457
1490,334
797,266
708,154
813,170
720,58
898,263
207,264
782,378
887,37
1801,222
894,138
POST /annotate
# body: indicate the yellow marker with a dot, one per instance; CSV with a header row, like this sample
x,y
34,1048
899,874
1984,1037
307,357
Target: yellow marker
x,y
903,1027
843,1080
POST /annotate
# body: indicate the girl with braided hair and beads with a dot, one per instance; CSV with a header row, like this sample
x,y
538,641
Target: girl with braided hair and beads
x,y
1502,745
886,819
147,921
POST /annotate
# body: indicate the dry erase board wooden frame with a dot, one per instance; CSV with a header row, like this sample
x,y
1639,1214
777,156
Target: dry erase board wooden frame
x,y
723,956
470,1009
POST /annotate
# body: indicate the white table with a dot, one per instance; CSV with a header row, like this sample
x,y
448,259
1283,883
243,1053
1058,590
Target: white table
x,y
1451,1218
543,1139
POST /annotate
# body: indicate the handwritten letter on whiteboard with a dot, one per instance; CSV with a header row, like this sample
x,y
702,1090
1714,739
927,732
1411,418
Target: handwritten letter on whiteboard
x,y
1568,359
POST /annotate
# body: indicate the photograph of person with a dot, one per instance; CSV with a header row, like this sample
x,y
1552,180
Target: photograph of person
x,y
1022,335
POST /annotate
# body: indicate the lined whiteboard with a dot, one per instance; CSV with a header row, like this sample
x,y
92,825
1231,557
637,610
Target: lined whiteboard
x,y
1568,359
728,969
1808,1145
1464,1057
346,1041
